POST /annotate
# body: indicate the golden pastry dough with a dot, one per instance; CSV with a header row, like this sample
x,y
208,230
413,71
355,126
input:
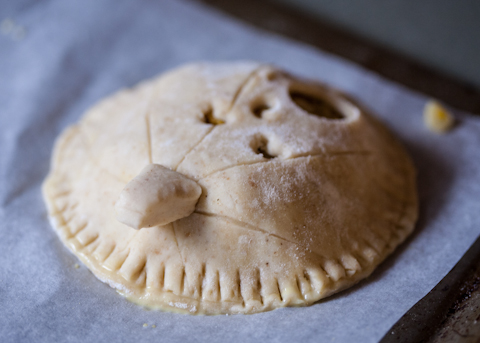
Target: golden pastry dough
x,y
302,193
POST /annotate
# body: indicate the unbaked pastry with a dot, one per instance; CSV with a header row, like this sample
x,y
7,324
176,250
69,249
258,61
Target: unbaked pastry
x,y
302,193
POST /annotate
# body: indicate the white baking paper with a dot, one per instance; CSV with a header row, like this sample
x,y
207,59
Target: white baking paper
x,y
75,52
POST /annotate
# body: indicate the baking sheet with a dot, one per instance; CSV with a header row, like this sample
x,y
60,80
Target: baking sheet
x,y
75,52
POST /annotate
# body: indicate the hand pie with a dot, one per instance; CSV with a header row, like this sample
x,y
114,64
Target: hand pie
x,y
230,188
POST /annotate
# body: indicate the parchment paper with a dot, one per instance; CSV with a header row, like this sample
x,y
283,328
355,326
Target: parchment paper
x,y
76,52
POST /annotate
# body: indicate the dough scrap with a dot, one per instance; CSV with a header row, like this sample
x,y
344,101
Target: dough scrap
x,y
303,194
156,197
437,118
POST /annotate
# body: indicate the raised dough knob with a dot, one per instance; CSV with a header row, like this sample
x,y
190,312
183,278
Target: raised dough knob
x,y
156,196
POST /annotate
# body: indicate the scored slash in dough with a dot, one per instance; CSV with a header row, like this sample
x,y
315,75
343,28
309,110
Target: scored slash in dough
x,y
303,194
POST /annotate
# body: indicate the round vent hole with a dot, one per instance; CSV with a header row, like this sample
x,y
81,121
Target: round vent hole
x,y
258,109
260,146
209,118
315,105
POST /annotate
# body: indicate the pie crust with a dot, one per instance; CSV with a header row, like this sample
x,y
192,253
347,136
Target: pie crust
x,y
303,193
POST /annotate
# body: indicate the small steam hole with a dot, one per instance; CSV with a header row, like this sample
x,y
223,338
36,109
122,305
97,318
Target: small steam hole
x,y
209,118
258,109
260,146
